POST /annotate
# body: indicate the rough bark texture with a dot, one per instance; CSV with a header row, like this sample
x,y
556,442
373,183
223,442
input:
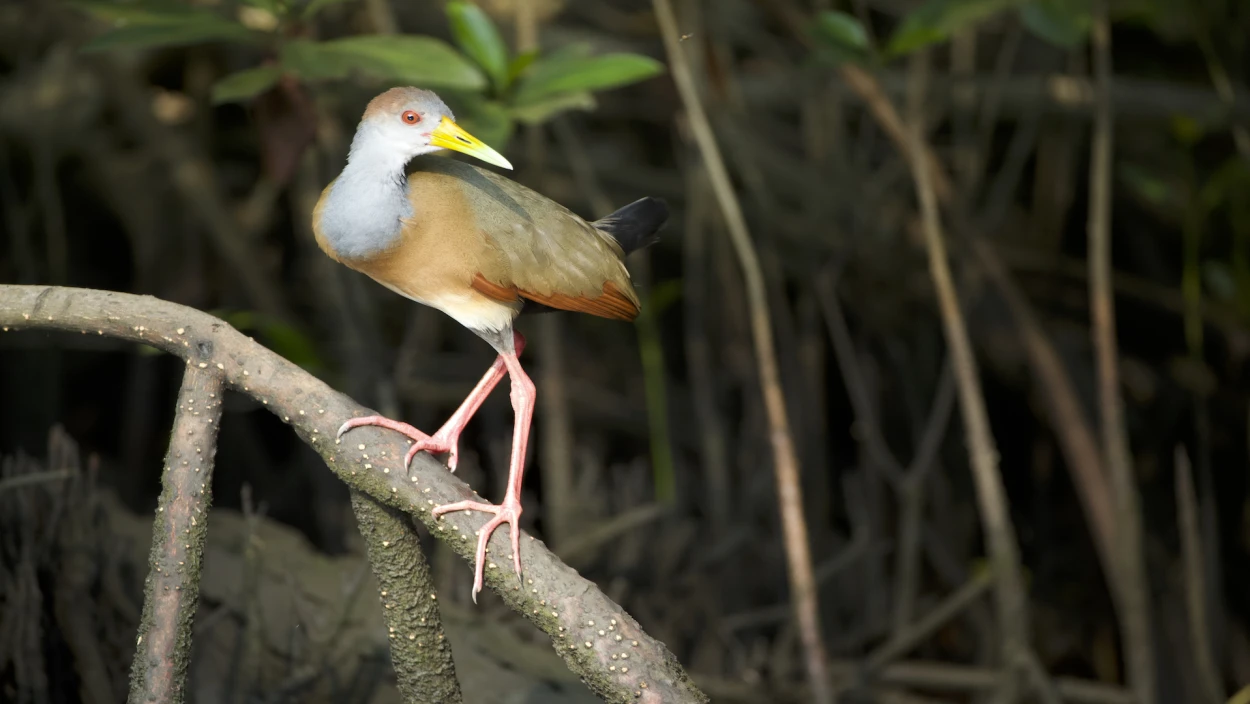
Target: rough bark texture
x,y
163,650
595,637
424,669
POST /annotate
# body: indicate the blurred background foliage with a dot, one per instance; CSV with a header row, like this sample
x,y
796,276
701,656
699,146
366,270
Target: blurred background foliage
x,y
176,149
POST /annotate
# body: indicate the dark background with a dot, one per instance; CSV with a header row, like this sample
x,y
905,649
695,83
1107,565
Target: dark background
x,y
118,172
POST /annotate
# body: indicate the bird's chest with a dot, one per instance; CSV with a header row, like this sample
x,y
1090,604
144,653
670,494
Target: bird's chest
x,y
438,271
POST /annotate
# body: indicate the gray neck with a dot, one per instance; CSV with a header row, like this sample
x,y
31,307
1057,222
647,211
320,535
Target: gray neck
x,y
363,210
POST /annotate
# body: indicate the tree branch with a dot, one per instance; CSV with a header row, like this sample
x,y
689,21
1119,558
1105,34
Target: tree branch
x,y
597,639
172,592
1000,535
1131,588
785,457
424,669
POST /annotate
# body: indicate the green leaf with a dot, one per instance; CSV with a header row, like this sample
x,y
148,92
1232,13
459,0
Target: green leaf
x,y
245,84
1064,23
570,51
572,74
418,60
1219,280
156,23
150,12
841,38
1187,130
1230,182
314,7
314,61
477,37
148,36
937,20
520,63
1159,190
292,344
543,109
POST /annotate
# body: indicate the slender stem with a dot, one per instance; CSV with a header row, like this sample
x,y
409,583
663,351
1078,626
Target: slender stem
x,y
1195,582
172,590
1132,583
420,653
915,634
785,459
700,364
1077,438
36,478
991,497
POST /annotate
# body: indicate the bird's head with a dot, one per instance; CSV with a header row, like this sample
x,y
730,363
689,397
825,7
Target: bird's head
x,y
408,122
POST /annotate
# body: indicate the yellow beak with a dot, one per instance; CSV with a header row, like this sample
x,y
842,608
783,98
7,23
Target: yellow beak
x,y
449,135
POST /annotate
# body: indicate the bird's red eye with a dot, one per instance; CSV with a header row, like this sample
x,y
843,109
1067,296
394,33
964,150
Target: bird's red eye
x,y
411,117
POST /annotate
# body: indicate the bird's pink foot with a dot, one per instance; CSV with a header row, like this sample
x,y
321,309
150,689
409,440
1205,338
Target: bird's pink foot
x,y
447,439
507,512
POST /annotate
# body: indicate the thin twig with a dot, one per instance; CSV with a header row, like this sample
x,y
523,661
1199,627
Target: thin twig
x,y
163,651
991,497
867,426
785,459
1195,584
591,538
51,475
369,460
946,677
951,607
1046,689
1067,416
908,485
699,360
1132,583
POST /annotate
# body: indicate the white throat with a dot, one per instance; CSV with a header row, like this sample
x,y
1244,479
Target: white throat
x,y
365,207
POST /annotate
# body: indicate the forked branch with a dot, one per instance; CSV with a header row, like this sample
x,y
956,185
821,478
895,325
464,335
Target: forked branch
x,y
597,639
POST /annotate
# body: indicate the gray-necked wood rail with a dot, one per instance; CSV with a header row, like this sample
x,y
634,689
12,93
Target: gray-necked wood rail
x,y
478,247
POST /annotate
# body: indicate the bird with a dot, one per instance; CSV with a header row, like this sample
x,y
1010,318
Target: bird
x,y
479,247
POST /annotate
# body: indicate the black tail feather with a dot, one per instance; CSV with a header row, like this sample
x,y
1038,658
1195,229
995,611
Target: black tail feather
x,y
637,225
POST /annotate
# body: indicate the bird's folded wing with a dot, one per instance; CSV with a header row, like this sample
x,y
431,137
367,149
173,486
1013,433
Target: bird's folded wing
x,y
611,303
549,255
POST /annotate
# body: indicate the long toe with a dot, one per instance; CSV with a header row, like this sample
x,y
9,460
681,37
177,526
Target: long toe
x,y
483,540
516,546
508,512
382,422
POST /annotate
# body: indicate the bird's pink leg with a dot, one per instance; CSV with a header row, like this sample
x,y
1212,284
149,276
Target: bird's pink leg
x,y
509,510
447,438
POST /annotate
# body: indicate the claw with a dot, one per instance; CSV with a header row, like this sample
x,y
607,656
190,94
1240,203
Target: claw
x,y
438,443
507,512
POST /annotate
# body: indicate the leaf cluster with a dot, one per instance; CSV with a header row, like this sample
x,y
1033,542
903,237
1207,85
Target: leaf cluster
x,y
843,38
496,87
